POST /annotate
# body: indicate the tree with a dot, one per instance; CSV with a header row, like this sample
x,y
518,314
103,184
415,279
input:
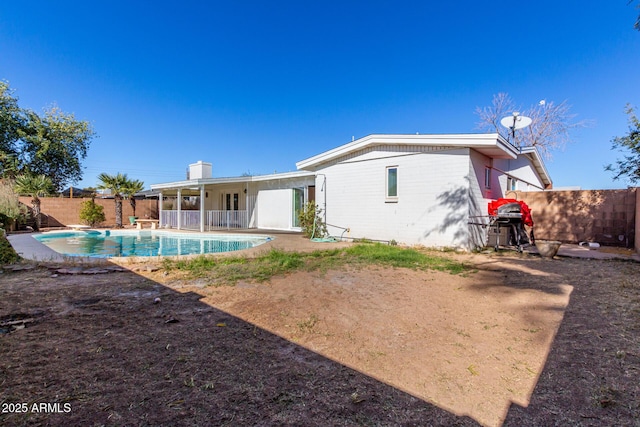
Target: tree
x,y
11,120
9,165
53,144
135,186
118,185
34,186
629,166
549,129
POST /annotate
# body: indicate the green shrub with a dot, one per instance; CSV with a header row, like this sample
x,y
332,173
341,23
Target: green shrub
x,y
5,221
10,207
7,254
91,213
311,221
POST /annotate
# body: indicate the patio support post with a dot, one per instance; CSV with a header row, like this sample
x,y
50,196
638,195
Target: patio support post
x,y
246,203
160,224
179,202
202,211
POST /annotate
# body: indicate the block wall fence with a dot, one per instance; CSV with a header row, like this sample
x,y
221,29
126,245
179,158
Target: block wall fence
x,y
59,211
608,217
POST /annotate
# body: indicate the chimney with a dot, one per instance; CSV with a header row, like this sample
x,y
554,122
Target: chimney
x,y
199,170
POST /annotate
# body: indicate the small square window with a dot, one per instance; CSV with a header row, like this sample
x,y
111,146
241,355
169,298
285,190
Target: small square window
x,y
392,183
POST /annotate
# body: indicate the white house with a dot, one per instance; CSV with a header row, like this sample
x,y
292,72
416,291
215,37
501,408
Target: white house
x,y
430,190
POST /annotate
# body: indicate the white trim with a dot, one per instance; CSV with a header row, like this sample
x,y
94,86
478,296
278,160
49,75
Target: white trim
x,y
491,144
196,183
538,164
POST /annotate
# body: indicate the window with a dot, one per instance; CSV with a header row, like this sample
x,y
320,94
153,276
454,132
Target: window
x,y
392,184
231,201
512,184
298,205
487,177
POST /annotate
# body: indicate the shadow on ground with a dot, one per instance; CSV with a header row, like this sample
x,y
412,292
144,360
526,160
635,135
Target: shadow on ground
x,y
117,356
590,376
104,345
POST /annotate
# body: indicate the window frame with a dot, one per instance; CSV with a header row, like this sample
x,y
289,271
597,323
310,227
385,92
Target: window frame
x,y
391,198
487,178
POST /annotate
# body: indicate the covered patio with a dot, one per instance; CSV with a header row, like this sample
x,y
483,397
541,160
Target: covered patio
x,y
261,201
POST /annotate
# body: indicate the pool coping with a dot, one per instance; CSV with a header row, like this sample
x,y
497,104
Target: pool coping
x,y
31,249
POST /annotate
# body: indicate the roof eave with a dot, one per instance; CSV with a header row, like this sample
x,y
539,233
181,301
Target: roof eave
x,y
230,180
490,144
538,164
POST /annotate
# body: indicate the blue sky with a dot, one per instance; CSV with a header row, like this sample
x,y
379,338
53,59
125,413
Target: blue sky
x,y
254,86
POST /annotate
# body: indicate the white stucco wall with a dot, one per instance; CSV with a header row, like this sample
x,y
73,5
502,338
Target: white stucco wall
x,y
521,169
432,205
480,196
275,209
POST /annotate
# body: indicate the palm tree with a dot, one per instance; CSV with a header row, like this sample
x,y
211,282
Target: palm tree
x,y
117,184
135,186
34,186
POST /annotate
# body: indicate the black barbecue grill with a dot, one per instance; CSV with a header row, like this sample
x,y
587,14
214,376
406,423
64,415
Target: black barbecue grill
x,y
506,225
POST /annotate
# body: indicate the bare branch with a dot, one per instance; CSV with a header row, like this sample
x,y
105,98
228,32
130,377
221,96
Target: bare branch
x,y
549,129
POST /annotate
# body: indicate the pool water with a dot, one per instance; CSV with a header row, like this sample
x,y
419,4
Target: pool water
x,y
128,243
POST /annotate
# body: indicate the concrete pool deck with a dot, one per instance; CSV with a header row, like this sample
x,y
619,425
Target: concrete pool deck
x,y
31,249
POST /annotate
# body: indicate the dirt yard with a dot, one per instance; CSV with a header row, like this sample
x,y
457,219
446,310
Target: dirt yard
x,y
518,340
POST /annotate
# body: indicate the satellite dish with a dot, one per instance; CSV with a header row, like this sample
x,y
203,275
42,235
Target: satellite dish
x,y
515,121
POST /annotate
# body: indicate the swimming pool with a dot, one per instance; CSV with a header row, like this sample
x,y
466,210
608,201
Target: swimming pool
x,y
129,243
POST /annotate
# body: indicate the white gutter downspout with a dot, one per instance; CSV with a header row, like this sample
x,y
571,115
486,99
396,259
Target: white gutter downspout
x,y
179,202
323,189
202,212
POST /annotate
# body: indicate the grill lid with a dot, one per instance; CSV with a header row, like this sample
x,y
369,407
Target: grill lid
x,y
510,208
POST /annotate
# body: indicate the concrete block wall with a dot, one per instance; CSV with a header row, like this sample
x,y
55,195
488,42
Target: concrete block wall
x,y
604,216
61,211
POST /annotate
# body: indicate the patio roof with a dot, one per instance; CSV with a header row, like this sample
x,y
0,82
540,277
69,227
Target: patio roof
x,y
194,184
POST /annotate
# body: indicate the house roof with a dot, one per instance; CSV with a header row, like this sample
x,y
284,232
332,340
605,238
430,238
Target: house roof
x,y
538,164
489,144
